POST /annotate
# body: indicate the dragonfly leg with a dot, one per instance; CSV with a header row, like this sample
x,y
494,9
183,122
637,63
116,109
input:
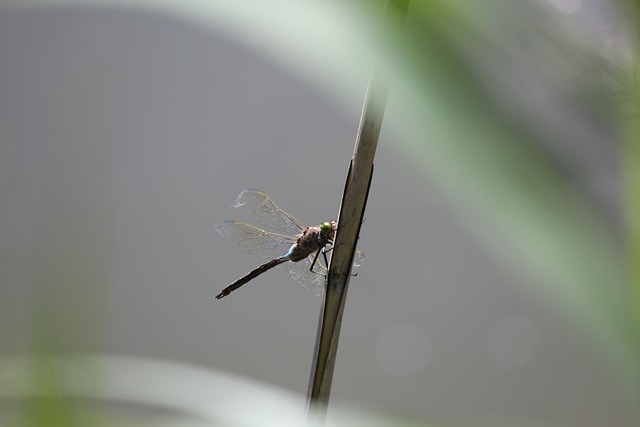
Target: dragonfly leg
x,y
325,251
326,261
315,259
324,255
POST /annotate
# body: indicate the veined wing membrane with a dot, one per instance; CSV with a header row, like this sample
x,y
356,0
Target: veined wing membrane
x,y
267,213
315,280
252,240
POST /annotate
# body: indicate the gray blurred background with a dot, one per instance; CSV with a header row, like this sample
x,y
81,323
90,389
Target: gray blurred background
x,y
125,136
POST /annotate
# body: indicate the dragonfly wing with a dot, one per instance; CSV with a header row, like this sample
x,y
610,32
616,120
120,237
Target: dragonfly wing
x,y
313,280
358,258
254,241
267,213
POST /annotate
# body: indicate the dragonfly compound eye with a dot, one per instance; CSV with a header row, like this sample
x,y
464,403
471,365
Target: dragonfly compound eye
x,y
326,228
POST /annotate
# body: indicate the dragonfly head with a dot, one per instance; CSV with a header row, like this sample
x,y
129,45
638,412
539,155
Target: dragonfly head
x,y
326,228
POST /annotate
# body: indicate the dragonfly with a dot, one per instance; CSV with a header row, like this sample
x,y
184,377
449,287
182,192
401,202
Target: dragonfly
x,y
297,245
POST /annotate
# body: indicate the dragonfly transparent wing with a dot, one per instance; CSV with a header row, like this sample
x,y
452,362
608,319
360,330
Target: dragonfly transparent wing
x,y
358,258
315,280
254,241
267,213
312,280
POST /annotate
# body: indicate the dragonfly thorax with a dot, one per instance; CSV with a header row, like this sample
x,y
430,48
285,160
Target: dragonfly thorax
x,y
311,240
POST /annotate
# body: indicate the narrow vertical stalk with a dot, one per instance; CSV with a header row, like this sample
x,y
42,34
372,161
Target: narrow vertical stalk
x,y
352,208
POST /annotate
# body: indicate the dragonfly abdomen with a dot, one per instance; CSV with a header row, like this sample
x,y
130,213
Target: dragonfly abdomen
x,y
251,275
